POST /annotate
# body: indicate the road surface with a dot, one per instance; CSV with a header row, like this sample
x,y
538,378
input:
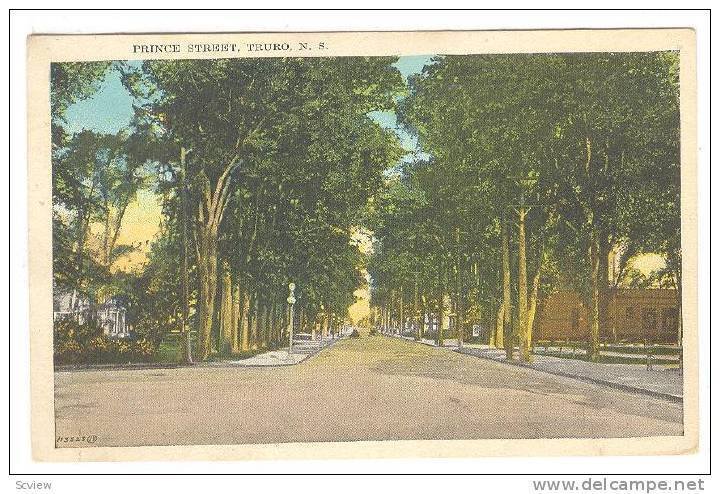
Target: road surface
x,y
371,388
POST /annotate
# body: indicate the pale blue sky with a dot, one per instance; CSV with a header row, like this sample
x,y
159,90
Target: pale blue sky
x,y
110,109
407,66
107,111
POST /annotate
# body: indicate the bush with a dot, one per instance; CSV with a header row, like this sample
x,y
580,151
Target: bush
x,y
86,344
354,334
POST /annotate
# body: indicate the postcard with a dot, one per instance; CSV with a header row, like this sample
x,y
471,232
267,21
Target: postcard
x,y
363,244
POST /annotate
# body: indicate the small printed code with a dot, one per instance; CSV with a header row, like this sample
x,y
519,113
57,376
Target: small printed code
x,y
90,439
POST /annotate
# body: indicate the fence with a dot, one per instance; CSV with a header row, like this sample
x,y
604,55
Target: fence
x,y
639,353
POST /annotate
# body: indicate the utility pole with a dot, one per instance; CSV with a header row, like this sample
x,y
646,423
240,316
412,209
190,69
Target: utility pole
x,y
187,350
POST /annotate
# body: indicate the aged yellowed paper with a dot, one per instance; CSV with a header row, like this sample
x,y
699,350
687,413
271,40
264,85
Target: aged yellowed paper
x,y
367,244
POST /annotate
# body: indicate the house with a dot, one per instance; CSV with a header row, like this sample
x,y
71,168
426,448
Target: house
x,y
631,314
110,315
112,318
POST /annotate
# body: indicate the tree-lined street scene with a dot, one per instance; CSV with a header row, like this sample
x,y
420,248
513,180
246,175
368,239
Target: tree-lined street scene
x,y
367,248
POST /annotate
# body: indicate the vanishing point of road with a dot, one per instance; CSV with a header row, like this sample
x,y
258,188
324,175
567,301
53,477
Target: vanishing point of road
x,y
370,388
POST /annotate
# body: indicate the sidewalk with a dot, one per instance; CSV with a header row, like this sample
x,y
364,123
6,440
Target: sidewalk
x,y
661,382
273,358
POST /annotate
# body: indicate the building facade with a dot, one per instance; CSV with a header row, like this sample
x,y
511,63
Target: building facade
x,y
631,315
111,316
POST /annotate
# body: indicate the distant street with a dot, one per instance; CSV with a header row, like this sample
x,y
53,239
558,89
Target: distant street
x,y
371,388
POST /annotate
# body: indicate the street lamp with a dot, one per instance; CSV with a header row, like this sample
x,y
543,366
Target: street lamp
x,y
291,323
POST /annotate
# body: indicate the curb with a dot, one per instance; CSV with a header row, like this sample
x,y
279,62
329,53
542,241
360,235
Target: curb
x,y
122,367
161,365
592,380
421,342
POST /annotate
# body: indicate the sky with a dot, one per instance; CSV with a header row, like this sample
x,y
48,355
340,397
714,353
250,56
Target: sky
x,y
110,109
387,119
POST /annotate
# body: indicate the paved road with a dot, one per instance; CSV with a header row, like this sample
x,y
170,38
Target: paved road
x,y
371,388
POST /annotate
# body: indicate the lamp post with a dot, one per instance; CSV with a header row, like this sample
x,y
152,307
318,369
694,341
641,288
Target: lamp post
x,y
291,323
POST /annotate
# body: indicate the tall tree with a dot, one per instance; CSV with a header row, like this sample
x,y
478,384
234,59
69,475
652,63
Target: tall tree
x,y
249,122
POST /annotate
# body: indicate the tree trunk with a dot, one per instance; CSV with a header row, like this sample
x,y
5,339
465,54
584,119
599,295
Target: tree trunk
x,y
285,318
254,312
459,328
498,338
207,271
507,337
269,321
211,208
106,234
236,329
604,248
459,307
301,320
677,274
226,312
595,295
416,310
440,338
186,343
522,289
273,323
274,333
81,235
263,324
282,321
112,228
532,305
423,316
326,325
245,320
391,314
402,311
